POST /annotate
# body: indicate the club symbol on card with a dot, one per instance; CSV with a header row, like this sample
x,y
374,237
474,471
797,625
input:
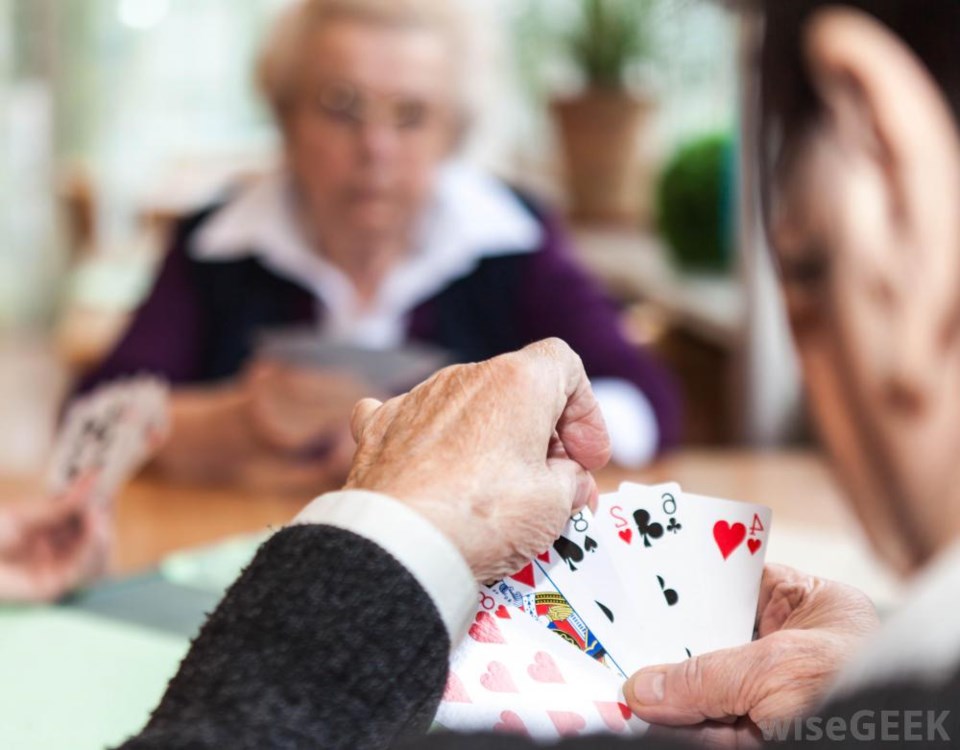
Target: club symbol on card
x,y
670,595
646,528
608,613
569,551
673,527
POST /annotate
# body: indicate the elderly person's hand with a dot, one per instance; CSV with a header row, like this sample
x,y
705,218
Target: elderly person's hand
x,y
303,415
298,410
50,547
497,455
808,628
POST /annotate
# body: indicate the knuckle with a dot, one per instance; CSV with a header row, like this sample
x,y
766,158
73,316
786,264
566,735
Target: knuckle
x,y
556,347
514,372
691,677
793,669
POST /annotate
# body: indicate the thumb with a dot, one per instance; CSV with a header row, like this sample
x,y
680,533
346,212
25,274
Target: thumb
x,y
578,487
362,413
711,687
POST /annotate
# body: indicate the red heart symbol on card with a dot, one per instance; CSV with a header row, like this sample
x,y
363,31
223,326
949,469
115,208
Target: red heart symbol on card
x,y
729,537
497,679
544,557
614,715
567,722
754,545
511,724
544,669
525,576
626,535
485,630
455,692
502,612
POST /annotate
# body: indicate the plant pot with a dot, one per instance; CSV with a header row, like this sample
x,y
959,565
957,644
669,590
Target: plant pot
x,y
600,133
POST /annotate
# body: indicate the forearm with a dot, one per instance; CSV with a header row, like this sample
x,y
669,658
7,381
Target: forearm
x,y
324,641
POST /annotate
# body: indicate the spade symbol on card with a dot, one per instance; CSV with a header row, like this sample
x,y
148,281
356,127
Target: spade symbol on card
x,y
647,529
670,595
569,551
590,545
606,611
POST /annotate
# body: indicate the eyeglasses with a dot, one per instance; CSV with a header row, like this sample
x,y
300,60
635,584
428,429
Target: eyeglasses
x,y
348,105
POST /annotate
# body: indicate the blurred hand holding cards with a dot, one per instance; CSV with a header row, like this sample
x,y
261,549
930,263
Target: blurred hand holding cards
x,y
108,436
655,576
386,370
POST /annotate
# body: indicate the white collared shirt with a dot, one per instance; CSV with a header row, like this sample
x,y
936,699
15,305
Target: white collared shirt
x,y
472,216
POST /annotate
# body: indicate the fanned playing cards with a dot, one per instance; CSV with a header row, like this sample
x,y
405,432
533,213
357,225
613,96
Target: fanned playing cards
x,y
108,435
655,576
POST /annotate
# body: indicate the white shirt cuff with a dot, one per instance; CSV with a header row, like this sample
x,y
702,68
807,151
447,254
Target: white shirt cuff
x,y
417,544
631,422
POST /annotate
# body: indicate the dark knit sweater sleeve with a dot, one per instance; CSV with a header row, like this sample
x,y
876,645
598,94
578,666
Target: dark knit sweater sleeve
x,y
325,641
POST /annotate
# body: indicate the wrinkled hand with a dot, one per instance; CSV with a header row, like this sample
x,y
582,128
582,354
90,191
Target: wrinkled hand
x,y
301,411
808,628
50,547
497,455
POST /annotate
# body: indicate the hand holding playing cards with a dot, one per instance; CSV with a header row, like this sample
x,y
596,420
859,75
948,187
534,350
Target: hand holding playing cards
x,y
50,547
497,455
295,409
808,627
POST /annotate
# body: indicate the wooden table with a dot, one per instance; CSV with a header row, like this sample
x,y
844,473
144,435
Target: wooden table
x,y
812,528
155,519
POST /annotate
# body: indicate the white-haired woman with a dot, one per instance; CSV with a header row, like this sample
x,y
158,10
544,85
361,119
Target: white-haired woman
x,y
375,234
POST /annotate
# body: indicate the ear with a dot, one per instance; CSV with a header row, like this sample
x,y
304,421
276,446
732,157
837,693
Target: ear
x,y
899,155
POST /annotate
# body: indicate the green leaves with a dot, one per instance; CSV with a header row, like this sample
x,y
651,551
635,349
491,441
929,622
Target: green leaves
x,y
611,36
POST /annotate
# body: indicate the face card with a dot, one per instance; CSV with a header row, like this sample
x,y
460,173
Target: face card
x,y
705,554
532,593
581,566
509,675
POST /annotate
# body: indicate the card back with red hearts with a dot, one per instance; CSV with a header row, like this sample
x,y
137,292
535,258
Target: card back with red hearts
x,y
511,675
531,591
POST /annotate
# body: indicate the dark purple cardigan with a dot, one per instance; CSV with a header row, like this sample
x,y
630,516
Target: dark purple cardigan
x,y
200,321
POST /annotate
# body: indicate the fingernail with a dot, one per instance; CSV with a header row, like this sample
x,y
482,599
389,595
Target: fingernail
x,y
585,486
648,688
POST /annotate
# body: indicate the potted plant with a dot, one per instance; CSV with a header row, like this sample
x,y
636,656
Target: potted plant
x,y
696,204
600,127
